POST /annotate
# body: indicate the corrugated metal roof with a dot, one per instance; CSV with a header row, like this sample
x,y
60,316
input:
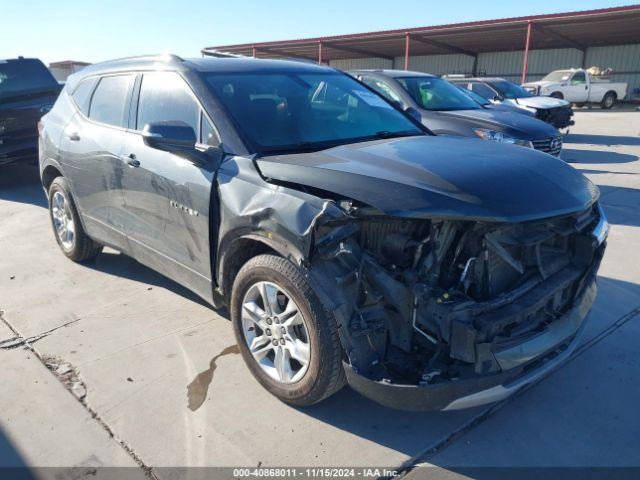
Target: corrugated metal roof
x,y
609,26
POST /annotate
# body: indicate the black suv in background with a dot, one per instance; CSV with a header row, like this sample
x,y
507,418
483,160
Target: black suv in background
x,y
350,244
27,91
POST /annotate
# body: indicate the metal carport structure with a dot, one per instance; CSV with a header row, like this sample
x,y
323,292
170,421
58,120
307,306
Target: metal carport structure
x,y
576,30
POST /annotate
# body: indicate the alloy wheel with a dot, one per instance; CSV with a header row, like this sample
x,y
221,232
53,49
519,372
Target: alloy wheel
x,y
63,220
276,332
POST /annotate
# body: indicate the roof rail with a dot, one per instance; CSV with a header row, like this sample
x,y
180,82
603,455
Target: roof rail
x,y
166,57
219,53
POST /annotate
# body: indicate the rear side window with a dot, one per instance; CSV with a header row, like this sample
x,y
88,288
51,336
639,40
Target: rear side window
x,y
109,101
82,94
164,97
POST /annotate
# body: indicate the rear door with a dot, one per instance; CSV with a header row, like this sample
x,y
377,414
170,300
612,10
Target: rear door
x,y
90,152
168,196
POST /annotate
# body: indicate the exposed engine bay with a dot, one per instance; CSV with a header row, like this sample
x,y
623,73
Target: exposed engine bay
x,y
431,301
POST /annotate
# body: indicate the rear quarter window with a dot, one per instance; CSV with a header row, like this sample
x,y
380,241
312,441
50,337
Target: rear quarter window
x,y
82,94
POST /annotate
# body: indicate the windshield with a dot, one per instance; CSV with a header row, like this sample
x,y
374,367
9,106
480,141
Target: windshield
x,y
290,111
24,76
510,90
558,76
433,93
473,95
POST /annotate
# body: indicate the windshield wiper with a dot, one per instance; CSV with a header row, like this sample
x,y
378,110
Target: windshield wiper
x,y
388,134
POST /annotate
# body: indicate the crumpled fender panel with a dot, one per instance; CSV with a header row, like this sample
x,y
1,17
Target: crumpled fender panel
x,y
280,217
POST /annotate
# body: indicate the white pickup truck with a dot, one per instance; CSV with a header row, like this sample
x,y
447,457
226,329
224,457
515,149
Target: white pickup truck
x,y
577,86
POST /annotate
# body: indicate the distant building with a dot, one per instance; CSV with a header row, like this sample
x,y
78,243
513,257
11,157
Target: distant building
x,y
61,70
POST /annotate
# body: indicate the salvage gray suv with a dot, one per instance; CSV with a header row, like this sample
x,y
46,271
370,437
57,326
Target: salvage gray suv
x,y
349,243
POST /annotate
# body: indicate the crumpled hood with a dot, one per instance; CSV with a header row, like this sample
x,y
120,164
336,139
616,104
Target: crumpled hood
x,y
542,102
431,176
511,123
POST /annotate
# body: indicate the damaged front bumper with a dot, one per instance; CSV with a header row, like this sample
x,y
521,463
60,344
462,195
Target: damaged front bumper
x,y
535,358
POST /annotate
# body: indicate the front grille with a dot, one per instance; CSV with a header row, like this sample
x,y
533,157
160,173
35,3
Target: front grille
x,y
552,145
559,117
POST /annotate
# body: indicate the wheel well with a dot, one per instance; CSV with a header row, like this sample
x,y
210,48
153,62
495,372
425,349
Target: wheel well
x,y
557,95
239,253
612,92
49,174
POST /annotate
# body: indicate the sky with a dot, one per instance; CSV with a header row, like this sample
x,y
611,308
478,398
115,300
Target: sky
x,y
91,31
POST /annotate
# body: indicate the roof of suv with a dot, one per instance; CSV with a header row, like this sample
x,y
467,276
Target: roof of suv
x,y
208,64
394,73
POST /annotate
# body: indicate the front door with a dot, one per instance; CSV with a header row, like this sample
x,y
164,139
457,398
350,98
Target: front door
x,y
167,197
578,89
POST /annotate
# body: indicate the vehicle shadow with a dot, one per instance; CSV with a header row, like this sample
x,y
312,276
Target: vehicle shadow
x,y
21,184
118,264
620,205
571,155
604,140
11,462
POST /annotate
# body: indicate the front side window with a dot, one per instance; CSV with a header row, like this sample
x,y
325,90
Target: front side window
x,y
208,135
109,101
164,97
510,90
433,93
578,79
293,111
383,89
483,90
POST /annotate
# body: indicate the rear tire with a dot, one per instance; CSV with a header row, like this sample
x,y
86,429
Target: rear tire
x,y
608,101
67,228
271,338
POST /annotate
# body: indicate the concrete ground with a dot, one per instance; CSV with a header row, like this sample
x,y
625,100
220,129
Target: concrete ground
x,y
109,363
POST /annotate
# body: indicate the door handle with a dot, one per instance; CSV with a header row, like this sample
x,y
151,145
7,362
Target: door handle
x,y
73,136
130,159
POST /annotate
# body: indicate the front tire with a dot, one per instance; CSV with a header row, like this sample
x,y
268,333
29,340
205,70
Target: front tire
x,y
286,336
73,241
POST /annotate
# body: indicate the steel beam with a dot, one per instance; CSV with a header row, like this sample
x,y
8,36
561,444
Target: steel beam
x,y
359,51
526,53
407,41
443,45
559,36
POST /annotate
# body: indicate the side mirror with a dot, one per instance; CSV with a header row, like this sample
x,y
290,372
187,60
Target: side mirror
x,y
172,136
496,99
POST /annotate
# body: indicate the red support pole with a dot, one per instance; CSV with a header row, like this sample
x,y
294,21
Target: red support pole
x,y
253,51
319,52
407,40
526,53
